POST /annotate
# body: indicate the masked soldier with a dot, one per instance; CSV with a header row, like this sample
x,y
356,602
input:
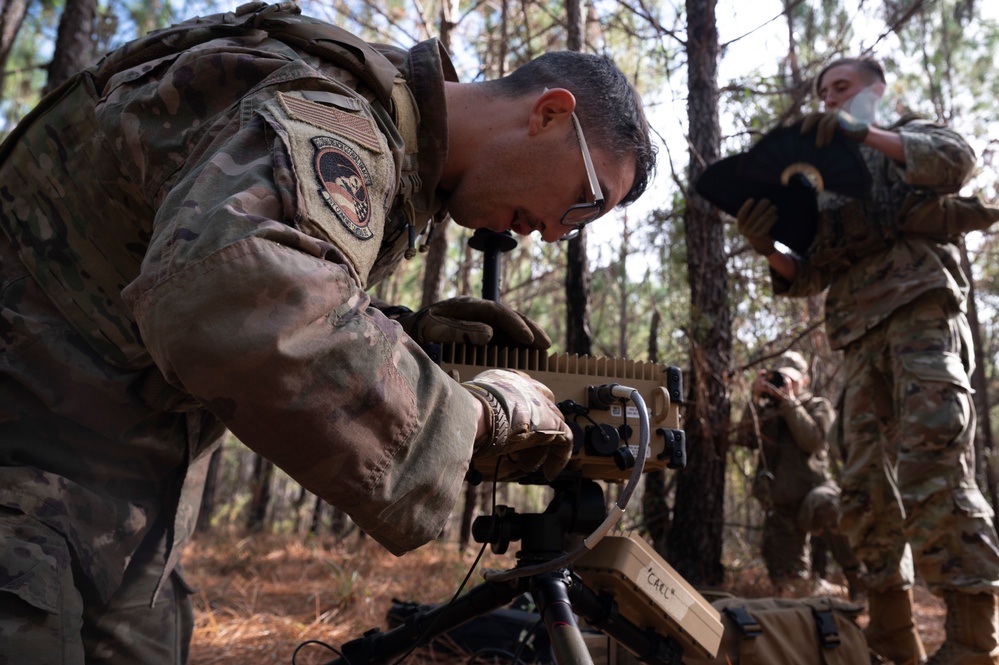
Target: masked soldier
x,y
896,305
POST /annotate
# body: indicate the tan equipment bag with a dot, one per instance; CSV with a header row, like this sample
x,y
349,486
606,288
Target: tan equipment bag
x,y
788,631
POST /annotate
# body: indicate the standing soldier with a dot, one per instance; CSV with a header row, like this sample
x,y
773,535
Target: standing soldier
x,y
896,305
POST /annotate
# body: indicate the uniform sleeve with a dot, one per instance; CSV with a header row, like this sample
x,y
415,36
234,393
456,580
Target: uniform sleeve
x,y
268,327
809,422
936,157
808,281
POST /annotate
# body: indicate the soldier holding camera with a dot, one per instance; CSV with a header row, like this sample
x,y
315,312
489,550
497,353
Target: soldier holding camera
x,y
789,428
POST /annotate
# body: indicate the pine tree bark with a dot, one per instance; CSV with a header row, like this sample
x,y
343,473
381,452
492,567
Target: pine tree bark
x,y
435,260
655,511
74,45
263,471
577,298
12,17
204,523
577,269
696,535
317,516
984,445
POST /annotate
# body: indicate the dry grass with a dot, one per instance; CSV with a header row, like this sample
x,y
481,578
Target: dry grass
x,y
260,597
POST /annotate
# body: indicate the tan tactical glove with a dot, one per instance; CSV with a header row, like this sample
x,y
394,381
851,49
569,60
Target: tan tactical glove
x,y
755,219
467,320
827,124
522,422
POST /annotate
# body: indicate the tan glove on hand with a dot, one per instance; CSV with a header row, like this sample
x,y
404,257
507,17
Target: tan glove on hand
x,y
754,220
522,422
826,125
467,320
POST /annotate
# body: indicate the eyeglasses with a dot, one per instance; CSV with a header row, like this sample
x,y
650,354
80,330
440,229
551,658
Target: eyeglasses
x,y
581,214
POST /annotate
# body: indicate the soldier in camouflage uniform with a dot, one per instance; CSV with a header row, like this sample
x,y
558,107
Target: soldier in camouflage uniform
x,y
896,305
789,428
189,230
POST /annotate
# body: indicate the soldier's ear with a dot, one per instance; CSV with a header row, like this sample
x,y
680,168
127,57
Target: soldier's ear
x,y
551,107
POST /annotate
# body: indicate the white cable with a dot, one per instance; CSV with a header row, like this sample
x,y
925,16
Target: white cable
x,y
616,512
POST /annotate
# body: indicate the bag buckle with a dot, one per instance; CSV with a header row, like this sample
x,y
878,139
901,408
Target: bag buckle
x,y
744,621
828,632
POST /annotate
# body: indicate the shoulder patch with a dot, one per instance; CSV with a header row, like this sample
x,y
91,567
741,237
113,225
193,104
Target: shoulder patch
x,y
343,188
344,184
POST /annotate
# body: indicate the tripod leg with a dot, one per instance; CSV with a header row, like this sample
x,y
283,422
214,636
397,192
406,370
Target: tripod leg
x,y
380,648
601,613
550,592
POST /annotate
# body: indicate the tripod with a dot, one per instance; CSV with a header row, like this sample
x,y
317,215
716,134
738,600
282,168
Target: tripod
x,y
577,508
544,569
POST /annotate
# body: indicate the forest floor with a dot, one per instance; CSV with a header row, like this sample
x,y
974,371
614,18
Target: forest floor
x,y
258,598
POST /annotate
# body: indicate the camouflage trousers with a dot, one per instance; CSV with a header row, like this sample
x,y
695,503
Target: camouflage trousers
x,y
909,490
787,531
45,619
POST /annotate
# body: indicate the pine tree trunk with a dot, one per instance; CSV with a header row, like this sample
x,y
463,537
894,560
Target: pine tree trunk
x,y
696,535
11,19
655,510
74,42
577,298
204,523
263,471
984,445
317,516
577,270
434,262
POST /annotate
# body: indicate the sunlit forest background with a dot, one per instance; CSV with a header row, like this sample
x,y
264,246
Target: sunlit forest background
x,y
666,280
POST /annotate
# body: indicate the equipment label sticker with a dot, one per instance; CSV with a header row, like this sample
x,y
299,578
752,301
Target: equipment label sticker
x,y
630,411
661,587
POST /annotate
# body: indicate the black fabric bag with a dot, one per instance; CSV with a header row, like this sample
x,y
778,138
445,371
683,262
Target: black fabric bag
x,y
498,633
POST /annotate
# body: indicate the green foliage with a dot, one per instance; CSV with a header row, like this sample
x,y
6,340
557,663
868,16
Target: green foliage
x,y
25,67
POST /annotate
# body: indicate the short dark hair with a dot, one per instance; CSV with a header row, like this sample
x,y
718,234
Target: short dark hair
x,y
607,105
866,65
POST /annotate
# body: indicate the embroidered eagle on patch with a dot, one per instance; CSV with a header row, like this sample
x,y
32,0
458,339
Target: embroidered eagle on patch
x,y
344,184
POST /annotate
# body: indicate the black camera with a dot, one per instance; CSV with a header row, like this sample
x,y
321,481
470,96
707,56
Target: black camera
x,y
775,378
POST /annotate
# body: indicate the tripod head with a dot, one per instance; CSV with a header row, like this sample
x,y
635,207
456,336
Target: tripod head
x,y
575,511
629,579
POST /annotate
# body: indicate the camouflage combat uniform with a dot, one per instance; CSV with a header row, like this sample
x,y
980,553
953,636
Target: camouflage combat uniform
x,y
896,306
190,228
793,483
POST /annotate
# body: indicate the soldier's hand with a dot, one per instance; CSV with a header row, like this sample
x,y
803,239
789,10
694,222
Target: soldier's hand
x,y
522,422
826,125
755,220
467,320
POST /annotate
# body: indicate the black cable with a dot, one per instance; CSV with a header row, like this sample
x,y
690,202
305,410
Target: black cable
x,y
468,575
306,643
523,641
